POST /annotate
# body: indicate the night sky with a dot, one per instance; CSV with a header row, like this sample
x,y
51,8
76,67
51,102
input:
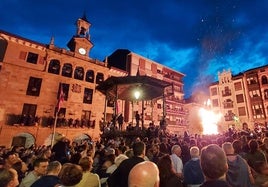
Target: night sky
x,y
196,37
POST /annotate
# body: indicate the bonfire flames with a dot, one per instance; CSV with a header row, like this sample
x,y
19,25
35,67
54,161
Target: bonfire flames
x,y
209,120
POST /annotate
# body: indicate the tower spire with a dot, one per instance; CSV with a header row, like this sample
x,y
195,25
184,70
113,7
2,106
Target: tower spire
x,y
51,40
84,17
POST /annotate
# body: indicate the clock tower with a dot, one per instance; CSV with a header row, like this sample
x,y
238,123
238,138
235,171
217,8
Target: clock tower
x,y
80,43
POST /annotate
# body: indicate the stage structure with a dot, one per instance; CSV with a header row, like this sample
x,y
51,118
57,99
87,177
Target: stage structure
x,y
134,89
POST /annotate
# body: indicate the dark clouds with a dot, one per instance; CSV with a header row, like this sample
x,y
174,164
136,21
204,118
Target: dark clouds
x,y
196,37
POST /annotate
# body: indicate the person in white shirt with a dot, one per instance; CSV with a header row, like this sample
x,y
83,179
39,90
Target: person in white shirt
x,y
176,160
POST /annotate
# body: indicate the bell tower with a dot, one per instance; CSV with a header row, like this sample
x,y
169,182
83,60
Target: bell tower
x,y
80,43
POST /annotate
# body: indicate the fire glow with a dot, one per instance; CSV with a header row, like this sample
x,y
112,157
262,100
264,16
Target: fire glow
x,y
209,120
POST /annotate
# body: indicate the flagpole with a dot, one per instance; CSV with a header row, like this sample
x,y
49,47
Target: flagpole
x,y
54,129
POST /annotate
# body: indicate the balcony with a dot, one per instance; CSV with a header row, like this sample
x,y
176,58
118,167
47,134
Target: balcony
x,y
173,99
228,105
228,118
172,77
175,111
226,93
256,98
254,86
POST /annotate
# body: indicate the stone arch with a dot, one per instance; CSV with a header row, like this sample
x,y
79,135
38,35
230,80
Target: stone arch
x,y
79,73
90,76
54,66
57,137
67,70
99,78
81,137
264,80
23,139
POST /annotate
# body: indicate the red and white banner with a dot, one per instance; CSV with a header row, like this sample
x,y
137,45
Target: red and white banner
x,y
60,99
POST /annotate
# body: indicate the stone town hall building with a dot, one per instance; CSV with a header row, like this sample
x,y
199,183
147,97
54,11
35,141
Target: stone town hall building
x,y
32,76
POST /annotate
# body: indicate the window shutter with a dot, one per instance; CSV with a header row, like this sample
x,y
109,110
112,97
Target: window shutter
x,y
41,60
23,55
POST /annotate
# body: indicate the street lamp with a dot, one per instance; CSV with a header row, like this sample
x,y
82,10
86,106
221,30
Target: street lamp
x,y
137,94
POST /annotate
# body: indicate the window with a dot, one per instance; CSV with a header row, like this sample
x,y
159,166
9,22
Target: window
x,y
29,109
238,86
167,107
257,111
34,86
62,112
229,116
110,102
85,119
241,111
99,78
32,58
226,91
90,76
264,80
159,106
54,67
86,114
79,73
88,95
159,71
65,89
23,55
213,91
215,103
252,80
67,70
228,103
28,114
266,94
240,98
254,93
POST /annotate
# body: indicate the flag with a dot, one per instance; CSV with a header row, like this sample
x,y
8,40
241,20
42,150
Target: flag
x,y
60,99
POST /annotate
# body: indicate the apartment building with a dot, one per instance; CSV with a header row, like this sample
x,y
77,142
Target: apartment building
x,y
242,98
170,107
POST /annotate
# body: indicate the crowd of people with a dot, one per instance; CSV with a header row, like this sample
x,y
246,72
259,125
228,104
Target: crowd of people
x,y
232,159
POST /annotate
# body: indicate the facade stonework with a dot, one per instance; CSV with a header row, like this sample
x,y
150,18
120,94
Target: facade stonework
x,y
33,76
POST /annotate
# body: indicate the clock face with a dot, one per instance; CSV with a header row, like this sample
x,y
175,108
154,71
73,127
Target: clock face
x,y
82,51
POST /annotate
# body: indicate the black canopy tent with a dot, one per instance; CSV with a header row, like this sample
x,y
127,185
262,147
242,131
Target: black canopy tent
x,y
124,88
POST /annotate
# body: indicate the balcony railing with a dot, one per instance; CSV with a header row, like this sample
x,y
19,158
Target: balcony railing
x,y
228,118
228,105
253,86
256,98
174,99
226,93
176,111
172,77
